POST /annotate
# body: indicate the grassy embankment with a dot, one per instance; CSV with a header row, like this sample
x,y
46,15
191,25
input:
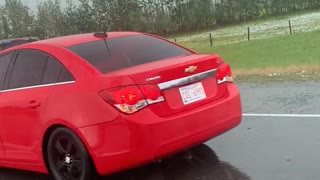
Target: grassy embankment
x,y
271,51
297,56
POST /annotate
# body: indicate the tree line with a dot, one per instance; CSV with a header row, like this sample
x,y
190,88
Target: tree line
x,y
52,18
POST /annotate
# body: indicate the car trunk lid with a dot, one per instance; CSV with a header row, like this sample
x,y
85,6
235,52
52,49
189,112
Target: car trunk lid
x,y
185,81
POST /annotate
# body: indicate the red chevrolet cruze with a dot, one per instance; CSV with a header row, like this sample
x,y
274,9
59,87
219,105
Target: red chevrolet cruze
x,y
89,104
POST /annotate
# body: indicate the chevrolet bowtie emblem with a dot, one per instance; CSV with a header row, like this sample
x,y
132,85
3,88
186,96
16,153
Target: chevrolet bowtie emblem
x,y
191,69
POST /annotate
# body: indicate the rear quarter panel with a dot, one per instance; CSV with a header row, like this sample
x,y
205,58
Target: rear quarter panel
x,y
78,105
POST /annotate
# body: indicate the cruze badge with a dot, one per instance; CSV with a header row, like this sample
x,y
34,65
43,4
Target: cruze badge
x,y
153,78
191,69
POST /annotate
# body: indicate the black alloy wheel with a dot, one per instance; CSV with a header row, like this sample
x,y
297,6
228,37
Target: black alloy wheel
x,y
68,158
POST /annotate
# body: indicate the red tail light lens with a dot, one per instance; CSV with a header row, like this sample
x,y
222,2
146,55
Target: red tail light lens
x,y
224,74
130,99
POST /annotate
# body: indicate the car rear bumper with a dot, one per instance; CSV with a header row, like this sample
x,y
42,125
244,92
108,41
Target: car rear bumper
x,y
143,137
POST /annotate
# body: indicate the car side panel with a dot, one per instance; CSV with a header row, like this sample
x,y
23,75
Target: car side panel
x,y
2,154
3,71
39,168
21,112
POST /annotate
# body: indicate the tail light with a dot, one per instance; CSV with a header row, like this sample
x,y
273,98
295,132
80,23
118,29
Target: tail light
x,y
130,99
224,74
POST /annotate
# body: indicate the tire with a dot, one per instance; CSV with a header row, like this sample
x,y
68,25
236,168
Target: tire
x,y
204,154
68,158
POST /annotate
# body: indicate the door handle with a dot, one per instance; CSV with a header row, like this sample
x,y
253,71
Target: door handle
x,y
33,104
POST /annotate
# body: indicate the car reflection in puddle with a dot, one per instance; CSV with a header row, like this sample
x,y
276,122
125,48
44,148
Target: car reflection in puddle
x,y
200,163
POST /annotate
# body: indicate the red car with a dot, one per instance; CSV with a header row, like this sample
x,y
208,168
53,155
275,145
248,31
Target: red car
x,y
100,103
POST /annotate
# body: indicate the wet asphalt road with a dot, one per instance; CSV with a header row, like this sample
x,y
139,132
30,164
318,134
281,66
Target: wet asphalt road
x,y
261,148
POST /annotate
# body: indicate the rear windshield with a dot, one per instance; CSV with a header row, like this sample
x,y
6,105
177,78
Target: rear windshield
x,y
118,53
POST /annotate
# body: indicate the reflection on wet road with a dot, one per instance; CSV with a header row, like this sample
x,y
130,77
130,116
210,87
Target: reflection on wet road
x,y
200,163
204,165
261,148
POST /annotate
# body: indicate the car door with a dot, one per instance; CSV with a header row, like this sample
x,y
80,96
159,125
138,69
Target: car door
x,y
4,63
26,89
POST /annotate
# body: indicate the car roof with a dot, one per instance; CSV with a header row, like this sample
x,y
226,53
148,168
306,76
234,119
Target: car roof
x,y
71,40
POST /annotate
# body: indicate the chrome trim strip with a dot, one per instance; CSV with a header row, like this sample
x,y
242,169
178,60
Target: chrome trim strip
x,y
38,86
187,80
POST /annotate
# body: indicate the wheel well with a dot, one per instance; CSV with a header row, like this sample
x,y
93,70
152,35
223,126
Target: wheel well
x,y
45,142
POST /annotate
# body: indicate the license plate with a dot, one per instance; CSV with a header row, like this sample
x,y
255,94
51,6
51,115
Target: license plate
x,y
192,93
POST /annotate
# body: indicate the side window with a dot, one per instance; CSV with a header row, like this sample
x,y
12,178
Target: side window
x,y
4,62
28,69
56,72
65,76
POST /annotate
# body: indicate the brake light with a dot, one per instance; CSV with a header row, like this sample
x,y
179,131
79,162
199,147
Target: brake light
x,y
224,74
130,99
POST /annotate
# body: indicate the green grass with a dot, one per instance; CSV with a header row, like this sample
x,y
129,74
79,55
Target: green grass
x,y
286,51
